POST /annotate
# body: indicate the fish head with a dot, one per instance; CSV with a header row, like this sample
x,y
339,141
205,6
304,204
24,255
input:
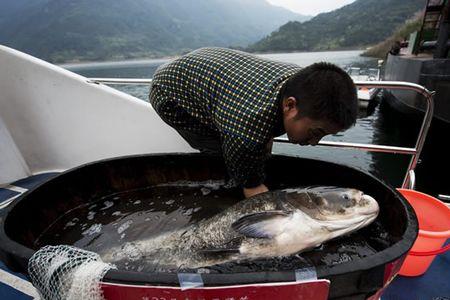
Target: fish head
x,y
334,203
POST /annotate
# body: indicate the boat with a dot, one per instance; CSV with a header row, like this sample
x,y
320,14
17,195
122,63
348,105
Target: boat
x,y
66,135
424,60
367,97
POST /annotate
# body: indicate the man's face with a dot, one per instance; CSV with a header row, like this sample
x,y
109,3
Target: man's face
x,y
304,130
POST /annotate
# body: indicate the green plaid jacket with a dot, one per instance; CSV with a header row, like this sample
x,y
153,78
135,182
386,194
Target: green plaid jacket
x,y
229,94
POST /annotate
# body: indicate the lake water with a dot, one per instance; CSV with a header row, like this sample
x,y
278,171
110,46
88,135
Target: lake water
x,y
374,129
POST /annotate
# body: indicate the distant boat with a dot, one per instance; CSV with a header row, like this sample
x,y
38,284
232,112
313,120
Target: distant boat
x,y
366,96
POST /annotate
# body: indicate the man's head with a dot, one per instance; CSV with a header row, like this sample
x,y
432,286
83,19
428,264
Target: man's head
x,y
320,99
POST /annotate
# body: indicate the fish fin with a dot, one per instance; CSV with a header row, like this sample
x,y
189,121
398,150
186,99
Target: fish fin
x,y
261,224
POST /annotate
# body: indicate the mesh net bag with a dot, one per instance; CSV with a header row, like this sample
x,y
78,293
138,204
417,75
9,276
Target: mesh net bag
x,y
66,272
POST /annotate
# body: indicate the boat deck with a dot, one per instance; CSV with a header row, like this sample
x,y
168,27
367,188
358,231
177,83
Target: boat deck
x,y
435,284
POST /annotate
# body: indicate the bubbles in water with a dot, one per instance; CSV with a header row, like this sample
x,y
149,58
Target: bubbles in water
x,y
108,204
188,212
137,202
170,202
116,213
124,226
336,258
91,215
205,191
71,223
95,228
131,252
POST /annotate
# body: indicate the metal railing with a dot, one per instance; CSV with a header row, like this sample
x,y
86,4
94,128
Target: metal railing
x,y
121,81
409,180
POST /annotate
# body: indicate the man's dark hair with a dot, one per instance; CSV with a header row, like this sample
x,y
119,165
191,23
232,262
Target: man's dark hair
x,y
324,92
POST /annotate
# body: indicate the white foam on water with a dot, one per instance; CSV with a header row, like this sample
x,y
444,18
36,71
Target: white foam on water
x,y
124,226
188,212
131,251
95,228
117,213
137,202
205,191
170,202
71,223
91,215
108,204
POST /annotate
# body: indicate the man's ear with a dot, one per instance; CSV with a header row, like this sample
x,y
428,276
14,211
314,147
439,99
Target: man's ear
x,y
289,105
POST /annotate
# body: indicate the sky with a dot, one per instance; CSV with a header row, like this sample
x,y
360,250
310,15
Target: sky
x,y
310,7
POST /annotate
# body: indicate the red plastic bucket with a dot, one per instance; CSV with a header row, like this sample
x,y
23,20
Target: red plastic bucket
x,y
434,230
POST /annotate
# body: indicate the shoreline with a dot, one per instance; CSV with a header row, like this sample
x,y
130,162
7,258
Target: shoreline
x,y
112,63
159,60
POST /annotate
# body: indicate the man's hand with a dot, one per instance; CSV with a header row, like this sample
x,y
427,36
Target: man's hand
x,y
255,191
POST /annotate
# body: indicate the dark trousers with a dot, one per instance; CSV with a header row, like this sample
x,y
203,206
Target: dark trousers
x,y
203,143
208,143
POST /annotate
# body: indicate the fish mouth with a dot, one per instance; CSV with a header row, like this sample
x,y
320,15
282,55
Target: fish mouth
x,y
372,205
348,225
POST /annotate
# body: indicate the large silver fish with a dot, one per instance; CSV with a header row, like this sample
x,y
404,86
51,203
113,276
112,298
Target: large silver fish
x,y
275,223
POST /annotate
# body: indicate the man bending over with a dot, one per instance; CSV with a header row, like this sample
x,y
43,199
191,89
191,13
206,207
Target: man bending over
x,y
232,103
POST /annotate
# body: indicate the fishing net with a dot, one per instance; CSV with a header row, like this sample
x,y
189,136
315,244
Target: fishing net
x,y
65,272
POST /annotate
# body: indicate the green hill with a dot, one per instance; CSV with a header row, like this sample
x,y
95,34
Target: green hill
x,y
70,30
357,25
381,49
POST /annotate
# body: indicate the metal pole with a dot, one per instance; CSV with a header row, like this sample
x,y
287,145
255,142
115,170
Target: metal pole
x,y
364,147
426,120
112,81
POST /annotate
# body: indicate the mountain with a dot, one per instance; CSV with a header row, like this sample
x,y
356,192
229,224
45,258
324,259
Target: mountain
x,y
356,25
63,30
381,49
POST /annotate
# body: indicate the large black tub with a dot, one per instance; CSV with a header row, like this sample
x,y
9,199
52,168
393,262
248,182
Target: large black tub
x,y
25,220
